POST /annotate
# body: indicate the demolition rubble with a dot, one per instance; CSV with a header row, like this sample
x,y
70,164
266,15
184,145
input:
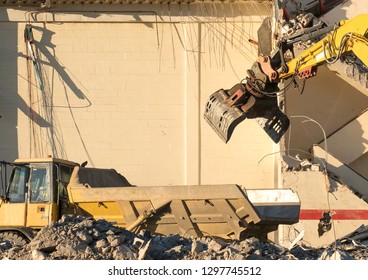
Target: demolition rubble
x,y
80,238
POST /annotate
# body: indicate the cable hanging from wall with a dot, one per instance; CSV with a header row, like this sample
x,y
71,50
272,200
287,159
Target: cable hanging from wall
x,y
34,149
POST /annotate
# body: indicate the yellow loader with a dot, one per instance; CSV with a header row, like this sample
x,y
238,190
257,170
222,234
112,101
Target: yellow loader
x,y
41,190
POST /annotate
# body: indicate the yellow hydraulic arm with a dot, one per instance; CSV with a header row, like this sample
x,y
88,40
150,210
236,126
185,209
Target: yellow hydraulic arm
x,y
226,108
348,36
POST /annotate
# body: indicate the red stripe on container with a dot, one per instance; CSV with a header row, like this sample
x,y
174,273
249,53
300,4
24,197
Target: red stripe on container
x,y
344,214
322,5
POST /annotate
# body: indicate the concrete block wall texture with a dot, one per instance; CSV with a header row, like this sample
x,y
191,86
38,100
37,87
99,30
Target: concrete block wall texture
x,y
127,91
346,174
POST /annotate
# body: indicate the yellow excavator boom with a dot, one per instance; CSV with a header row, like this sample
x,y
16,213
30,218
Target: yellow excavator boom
x,y
348,36
226,108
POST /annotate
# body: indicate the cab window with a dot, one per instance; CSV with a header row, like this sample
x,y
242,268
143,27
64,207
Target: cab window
x,y
65,174
39,185
17,187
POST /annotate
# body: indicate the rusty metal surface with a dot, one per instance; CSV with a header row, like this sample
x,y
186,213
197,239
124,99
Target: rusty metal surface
x,y
222,117
275,123
225,109
223,113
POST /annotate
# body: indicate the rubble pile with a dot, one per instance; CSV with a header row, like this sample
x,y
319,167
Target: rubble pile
x,y
80,238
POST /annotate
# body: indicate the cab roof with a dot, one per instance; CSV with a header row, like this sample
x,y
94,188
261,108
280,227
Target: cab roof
x,y
45,159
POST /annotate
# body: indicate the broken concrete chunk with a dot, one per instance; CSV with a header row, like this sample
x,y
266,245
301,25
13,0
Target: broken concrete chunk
x,y
197,247
138,242
124,253
85,237
38,255
83,224
156,250
110,232
101,243
216,245
175,250
143,251
335,255
238,257
115,240
105,250
94,233
171,240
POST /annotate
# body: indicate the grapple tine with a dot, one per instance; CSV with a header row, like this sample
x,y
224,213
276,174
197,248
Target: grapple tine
x,y
275,123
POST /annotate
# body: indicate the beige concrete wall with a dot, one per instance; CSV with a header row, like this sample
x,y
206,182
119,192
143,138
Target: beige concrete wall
x,y
126,89
344,173
354,133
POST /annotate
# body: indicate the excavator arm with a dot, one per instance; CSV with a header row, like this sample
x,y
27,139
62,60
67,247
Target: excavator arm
x,y
350,36
256,97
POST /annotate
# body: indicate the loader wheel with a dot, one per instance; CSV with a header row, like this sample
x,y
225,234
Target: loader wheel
x,y
14,237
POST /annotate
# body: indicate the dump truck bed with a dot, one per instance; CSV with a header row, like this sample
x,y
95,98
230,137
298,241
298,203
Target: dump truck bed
x,y
227,211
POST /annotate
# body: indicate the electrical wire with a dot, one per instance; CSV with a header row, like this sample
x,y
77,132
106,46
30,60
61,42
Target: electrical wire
x,y
328,187
323,163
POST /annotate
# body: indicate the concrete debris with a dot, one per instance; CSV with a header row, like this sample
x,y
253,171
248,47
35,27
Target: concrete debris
x,y
299,164
325,223
355,69
335,255
80,238
301,30
353,246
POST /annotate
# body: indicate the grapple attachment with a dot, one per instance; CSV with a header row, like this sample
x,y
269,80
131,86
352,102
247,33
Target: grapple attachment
x,y
274,123
225,109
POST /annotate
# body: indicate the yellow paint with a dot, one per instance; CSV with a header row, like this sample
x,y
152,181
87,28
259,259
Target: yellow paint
x,y
39,214
106,210
12,214
355,29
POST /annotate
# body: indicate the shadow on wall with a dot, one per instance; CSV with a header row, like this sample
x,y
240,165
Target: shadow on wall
x,y
328,100
10,101
218,16
48,66
43,117
346,10
316,7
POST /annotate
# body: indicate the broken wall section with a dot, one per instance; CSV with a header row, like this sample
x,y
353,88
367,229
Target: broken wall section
x,y
331,113
322,197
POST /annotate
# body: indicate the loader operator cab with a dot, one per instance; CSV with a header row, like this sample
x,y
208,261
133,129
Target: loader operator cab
x,y
33,192
27,181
